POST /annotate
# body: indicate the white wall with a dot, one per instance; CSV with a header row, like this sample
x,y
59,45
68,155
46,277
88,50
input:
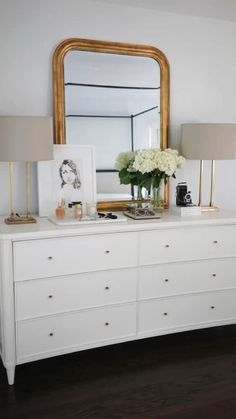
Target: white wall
x,y
201,52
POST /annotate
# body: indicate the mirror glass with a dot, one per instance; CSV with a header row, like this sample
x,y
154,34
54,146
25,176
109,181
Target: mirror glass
x,y
114,96
113,102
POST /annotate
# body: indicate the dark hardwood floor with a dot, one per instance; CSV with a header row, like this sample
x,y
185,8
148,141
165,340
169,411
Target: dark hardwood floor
x,y
183,376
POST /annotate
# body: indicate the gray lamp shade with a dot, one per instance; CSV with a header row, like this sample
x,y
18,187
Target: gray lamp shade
x,y
26,138
208,141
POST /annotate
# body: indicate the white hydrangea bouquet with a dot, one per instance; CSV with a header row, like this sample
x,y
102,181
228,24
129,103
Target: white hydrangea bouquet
x,y
147,168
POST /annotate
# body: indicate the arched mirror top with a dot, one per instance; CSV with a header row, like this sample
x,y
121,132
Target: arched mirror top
x,y
141,89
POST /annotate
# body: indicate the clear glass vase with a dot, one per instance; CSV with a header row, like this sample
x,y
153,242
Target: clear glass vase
x,y
155,197
139,195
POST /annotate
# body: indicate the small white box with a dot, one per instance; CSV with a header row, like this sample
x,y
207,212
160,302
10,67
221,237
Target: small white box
x,y
186,211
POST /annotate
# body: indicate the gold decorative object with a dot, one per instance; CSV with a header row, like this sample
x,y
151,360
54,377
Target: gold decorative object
x,y
75,44
143,212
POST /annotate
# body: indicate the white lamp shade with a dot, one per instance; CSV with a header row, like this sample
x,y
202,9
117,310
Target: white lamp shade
x,y
26,138
208,141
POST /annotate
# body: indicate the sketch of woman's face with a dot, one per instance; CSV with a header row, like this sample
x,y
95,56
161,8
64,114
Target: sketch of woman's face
x,y
68,174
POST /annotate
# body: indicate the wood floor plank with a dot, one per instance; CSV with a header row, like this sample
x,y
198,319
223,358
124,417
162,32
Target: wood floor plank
x,y
188,375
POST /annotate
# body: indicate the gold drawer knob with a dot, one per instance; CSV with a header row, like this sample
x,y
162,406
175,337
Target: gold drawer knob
x,y
51,334
107,251
50,296
165,314
49,257
107,288
212,307
107,324
166,280
167,245
215,241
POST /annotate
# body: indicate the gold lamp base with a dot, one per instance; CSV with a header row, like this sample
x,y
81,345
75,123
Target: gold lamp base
x,y
20,220
209,208
15,218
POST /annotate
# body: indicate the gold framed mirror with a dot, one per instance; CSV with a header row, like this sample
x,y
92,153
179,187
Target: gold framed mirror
x,y
135,79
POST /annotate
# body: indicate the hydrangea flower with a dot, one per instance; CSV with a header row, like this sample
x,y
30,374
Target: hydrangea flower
x,y
124,160
148,166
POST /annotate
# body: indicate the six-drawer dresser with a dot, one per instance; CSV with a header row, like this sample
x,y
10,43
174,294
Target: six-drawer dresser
x,y
66,289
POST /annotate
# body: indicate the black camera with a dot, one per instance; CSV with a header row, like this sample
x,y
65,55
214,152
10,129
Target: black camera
x,y
183,196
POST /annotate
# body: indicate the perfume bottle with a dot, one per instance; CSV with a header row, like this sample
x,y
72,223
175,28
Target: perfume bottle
x,y
77,209
60,210
91,209
70,210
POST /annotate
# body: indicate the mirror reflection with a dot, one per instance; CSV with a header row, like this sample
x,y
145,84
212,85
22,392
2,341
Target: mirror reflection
x,y
113,102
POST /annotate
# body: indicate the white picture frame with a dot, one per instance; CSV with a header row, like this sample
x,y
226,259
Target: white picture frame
x,y
71,175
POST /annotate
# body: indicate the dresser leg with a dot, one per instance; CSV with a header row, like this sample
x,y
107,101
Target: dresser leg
x,y
10,375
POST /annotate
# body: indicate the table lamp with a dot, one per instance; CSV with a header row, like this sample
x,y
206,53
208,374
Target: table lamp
x,y
24,138
208,142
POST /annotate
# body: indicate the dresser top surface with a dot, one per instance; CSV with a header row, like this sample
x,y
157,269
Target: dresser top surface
x,y
44,228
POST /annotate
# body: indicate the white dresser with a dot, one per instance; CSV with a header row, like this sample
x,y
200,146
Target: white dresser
x,y
69,289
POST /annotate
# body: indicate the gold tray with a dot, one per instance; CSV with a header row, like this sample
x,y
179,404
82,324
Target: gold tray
x,y
143,213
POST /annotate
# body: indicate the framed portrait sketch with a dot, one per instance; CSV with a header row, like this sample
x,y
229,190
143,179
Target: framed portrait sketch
x,y
71,176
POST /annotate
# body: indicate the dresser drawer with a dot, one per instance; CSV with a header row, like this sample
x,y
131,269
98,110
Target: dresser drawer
x,y
67,293
40,337
180,278
187,244
186,311
70,255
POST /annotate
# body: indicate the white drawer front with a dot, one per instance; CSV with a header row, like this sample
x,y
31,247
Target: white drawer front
x,y
179,278
53,295
171,313
70,255
39,337
187,244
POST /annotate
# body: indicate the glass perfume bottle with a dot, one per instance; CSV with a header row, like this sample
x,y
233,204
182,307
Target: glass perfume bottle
x,y
60,211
